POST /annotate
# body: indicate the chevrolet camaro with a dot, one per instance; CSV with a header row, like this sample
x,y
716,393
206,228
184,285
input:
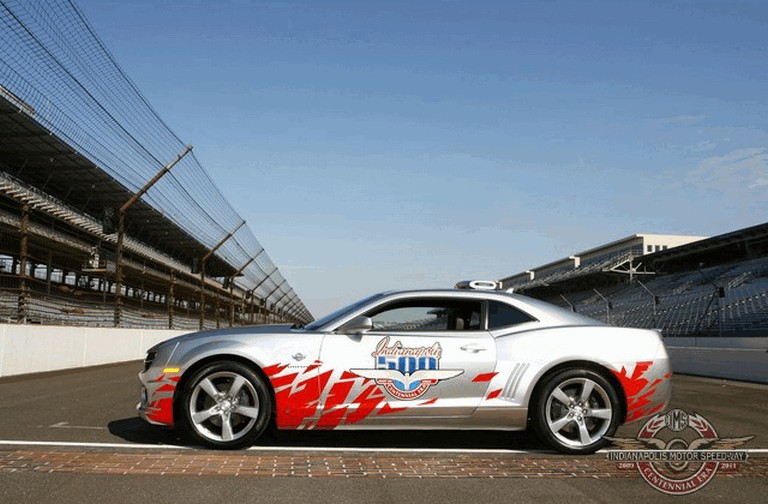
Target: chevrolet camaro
x,y
473,357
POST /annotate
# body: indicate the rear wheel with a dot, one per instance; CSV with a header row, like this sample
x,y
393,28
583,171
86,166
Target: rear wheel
x,y
575,410
225,405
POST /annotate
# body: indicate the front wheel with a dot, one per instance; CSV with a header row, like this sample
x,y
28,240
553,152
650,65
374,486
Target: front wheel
x,y
575,410
225,405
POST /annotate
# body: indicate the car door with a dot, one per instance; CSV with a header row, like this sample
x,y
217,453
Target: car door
x,y
428,356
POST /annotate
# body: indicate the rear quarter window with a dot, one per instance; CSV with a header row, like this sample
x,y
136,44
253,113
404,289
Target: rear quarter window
x,y
503,315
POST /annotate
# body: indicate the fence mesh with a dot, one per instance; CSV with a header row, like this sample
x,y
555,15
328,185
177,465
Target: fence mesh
x,y
52,59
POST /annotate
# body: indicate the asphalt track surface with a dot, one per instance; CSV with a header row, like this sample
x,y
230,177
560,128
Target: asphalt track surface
x,y
74,437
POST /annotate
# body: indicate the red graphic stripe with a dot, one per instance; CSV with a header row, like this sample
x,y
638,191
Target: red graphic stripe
x,y
638,391
337,396
387,409
493,395
339,392
313,366
297,398
275,369
331,419
367,402
484,377
161,410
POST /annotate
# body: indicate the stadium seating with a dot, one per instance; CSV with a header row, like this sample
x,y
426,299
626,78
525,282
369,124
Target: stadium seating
x,y
689,303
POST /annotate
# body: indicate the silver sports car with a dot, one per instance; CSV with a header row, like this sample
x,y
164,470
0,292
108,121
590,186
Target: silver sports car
x,y
465,358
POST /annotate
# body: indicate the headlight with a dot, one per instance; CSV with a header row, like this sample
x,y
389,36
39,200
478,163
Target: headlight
x,y
149,359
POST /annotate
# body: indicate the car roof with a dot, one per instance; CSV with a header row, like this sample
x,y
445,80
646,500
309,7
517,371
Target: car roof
x,y
541,310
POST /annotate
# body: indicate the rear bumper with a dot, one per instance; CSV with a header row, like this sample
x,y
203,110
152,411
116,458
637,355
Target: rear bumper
x,y
647,386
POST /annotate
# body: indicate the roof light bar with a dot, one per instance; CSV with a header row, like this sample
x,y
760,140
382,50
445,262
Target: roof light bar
x,y
479,285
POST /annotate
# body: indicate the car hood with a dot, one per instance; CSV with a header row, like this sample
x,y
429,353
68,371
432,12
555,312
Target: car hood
x,y
230,331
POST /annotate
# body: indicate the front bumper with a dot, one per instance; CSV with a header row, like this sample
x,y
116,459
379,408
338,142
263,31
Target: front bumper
x,y
157,396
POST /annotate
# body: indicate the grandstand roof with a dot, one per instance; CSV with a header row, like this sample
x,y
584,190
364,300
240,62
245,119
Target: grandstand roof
x,y
746,243
641,254
670,240
36,156
603,256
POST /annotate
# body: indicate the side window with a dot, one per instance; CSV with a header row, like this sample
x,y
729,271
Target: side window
x,y
427,315
504,315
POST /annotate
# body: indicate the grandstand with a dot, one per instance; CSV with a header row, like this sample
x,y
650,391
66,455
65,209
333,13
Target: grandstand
x,y
682,285
107,218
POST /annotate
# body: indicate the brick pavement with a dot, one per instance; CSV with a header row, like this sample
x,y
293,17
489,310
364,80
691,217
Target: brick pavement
x,y
336,465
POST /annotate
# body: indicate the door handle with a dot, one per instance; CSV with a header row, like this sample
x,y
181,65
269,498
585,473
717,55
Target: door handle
x,y
474,348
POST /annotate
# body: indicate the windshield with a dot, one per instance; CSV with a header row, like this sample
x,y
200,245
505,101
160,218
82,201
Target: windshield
x,y
340,313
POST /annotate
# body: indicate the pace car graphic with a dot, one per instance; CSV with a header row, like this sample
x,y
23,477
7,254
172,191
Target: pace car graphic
x,y
406,373
160,403
640,391
298,395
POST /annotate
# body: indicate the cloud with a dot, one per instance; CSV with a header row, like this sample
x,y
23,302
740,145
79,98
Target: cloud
x,y
703,146
742,172
679,120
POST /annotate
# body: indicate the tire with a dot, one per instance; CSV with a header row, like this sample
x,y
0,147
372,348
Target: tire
x,y
225,405
575,410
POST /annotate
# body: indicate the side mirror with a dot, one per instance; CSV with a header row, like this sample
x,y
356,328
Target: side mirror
x,y
357,325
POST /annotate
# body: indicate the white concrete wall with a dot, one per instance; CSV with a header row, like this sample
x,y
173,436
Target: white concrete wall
x,y
733,358
33,348
715,342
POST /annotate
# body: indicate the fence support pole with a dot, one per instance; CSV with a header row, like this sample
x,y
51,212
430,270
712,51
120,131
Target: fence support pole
x,y
218,311
573,308
232,287
266,298
203,260
23,301
608,306
170,300
121,232
282,312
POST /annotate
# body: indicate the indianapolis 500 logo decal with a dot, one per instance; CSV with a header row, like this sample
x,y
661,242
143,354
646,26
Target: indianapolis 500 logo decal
x,y
406,373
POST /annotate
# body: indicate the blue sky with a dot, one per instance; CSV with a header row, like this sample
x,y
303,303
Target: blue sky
x,y
379,145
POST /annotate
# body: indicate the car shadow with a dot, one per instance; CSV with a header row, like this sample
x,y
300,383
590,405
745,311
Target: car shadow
x,y
134,430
